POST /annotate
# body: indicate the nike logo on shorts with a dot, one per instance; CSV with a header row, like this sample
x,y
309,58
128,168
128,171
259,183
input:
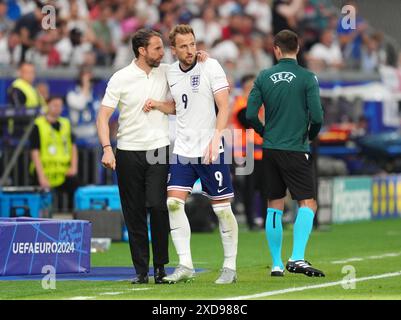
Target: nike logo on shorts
x,y
220,191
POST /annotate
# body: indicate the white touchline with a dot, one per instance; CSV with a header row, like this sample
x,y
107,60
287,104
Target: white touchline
x,y
139,289
81,298
386,255
110,293
323,285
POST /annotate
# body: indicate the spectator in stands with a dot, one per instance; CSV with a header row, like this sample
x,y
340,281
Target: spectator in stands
x,y
351,39
22,93
245,62
105,49
83,107
206,27
78,21
11,48
234,26
286,14
371,55
6,24
26,6
316,17
74,11
5,56
227,7
28,27
72,47
44,54
325,54
148,8
53,151
261,11
262,59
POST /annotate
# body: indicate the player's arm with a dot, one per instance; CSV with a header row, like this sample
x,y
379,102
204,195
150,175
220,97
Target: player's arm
x,y
254,103
220,88
167,107
222,101
314,107
103,131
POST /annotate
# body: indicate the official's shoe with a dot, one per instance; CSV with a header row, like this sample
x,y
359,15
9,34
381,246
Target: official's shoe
x,y
227,276
277,272
302,266
181,273
160,273
141,279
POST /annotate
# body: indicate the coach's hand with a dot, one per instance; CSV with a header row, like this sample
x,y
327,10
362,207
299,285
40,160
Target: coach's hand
x,y
149,105
202,55
108,159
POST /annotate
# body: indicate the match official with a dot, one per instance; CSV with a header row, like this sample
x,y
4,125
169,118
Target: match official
x,y
293,117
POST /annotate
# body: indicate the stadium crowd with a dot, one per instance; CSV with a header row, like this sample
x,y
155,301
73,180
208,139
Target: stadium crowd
x,y
237,33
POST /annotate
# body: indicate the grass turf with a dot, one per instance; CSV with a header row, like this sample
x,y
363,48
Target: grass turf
x,y
363,240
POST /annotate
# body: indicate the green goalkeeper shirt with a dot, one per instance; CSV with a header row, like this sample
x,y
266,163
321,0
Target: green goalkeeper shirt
x,y
293,112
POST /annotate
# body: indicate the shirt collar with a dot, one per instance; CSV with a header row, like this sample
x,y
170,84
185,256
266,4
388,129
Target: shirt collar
x,y
190,68
288,60
139,70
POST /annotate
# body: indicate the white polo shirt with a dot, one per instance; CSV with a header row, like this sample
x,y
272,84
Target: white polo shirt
x,y
129,88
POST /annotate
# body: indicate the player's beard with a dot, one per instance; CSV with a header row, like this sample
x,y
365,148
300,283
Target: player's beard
x,y
152,62
186,63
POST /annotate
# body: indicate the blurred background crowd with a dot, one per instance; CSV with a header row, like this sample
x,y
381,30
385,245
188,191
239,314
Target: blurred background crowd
x,y
90,39
237,33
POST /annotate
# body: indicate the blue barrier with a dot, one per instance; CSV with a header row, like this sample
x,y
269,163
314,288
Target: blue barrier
x,y
24,204
97,197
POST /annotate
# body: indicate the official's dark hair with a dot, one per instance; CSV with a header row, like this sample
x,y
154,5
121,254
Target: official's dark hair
x,y
287,41
141,38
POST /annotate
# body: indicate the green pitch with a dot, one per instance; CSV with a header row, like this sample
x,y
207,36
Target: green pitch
x,y
371,249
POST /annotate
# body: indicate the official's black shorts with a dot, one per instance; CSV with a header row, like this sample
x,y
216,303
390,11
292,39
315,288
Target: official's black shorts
x,y
289,169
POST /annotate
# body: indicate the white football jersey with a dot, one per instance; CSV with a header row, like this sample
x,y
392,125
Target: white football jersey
x,y
193,92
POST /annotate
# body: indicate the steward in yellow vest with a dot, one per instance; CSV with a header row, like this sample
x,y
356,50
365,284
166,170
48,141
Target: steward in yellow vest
x,y
54,156
22,93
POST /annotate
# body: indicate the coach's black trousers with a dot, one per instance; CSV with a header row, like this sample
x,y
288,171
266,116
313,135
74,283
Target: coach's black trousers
x,y
143,189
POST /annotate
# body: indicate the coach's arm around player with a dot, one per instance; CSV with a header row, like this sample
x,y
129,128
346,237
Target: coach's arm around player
x,y
103,130
167,107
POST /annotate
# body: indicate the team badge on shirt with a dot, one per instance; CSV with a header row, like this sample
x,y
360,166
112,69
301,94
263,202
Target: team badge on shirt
x,y
195,81
282,76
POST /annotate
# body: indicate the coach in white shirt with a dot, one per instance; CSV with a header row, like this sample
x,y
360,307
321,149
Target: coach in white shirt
x,y
142,185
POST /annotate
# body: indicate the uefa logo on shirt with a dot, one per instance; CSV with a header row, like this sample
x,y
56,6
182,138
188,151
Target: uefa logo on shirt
x,y
195,81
